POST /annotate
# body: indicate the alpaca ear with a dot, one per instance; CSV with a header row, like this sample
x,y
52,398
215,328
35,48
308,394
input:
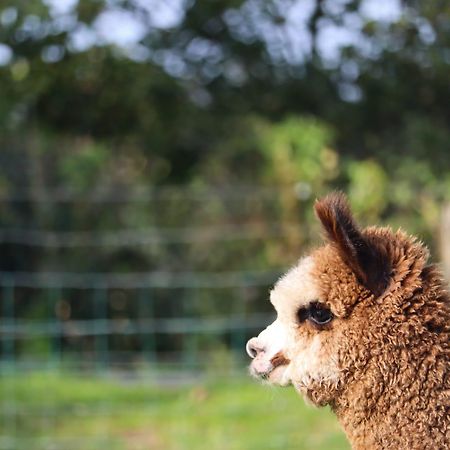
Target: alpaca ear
x,y
367,261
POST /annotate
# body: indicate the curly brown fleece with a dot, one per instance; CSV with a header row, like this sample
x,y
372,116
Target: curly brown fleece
x,y
397,394
390,336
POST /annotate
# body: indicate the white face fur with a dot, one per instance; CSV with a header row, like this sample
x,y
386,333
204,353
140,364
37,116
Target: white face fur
x,y
289,352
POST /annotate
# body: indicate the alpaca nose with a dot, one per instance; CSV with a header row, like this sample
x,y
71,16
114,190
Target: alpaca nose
x,y
254,348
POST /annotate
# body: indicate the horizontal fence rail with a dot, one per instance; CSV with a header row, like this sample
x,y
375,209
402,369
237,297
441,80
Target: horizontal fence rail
x,y
145,194
76,328
161,280
120,238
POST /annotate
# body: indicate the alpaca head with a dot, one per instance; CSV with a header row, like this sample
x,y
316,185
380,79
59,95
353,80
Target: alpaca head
x,y
330,306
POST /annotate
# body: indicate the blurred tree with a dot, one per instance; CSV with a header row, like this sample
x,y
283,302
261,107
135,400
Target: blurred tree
x,y
102,97
380,80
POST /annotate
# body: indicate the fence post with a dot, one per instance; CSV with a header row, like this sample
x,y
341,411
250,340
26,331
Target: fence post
x,y
444,240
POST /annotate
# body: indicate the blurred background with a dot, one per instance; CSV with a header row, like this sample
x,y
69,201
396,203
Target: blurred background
x,y
159,163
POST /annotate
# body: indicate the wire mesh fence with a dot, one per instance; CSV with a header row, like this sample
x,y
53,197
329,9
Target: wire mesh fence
x,y
118,292
127,326
113,320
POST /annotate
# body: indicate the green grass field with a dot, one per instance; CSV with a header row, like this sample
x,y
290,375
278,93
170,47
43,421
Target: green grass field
x,y
43,411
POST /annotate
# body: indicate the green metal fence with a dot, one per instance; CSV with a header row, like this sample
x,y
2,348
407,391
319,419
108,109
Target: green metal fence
x,y
108,321
204,268
115,325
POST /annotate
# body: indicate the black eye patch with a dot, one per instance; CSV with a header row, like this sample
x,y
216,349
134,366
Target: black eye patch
x,y
317,313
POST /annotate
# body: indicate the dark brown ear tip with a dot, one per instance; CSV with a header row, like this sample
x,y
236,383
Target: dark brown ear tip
x,y
366,260
333,197
337,199
333,204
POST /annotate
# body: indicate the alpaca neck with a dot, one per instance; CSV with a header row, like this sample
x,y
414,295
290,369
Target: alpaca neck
x,y
404,407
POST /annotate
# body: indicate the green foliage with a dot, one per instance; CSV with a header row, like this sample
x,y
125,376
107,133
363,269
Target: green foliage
x,y
81,170
297,150
180,108
368,188
211,137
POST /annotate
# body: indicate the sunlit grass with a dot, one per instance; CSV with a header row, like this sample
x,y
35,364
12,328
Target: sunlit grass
x,y
65,412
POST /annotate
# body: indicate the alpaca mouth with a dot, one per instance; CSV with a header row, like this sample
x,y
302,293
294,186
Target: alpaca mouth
x,y
276,376
279,360
272,371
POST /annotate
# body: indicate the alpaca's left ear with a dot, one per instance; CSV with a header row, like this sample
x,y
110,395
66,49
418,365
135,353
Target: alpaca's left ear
x,y
368,262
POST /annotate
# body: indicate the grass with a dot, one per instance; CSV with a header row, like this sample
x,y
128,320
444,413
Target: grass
x,y
49,411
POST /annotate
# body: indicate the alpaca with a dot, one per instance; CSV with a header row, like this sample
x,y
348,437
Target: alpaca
x,y
363,325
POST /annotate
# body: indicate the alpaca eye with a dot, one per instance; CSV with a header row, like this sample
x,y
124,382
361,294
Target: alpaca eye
x,y
319,314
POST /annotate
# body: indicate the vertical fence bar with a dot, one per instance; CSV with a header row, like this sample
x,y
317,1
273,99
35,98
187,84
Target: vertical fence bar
x,y
8,341
8,390
101,326
190,336
102,331
55,299
146,313
238,334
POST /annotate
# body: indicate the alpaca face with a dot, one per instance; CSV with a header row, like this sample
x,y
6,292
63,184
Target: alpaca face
x,y
324,306
299,347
